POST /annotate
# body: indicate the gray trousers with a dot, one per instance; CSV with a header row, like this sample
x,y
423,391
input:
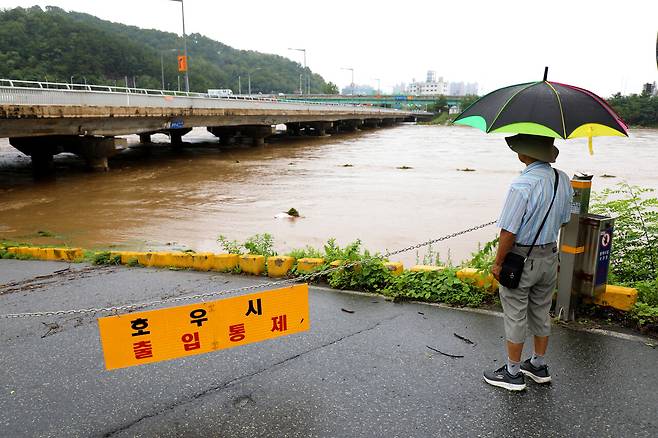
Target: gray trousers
x,y
527,307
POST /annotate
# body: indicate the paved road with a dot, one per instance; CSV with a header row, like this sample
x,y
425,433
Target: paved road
x,y
363,374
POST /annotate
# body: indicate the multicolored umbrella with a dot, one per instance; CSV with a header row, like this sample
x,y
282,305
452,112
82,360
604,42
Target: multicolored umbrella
x,y
544,108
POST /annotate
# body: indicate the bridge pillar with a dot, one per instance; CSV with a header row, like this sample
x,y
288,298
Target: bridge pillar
x,y
294,129
94,150
372,123
226,134
388,122
258,133
351,125
321,128
41,150
176,135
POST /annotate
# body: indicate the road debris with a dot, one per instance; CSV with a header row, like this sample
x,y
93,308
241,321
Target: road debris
x,y
468,341
456,356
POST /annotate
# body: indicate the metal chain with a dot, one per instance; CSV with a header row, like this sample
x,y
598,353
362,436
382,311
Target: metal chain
x,y
301,278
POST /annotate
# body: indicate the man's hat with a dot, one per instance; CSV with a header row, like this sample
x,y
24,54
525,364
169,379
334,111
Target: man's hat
x,y
536,146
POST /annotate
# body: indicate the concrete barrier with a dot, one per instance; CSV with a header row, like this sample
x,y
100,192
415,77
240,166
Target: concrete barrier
x,y
279,266
426,268
617,297
309,264
51,254
484,280
224,262
395,268
252,264
202,261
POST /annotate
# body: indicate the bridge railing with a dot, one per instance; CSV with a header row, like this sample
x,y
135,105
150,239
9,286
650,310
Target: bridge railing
x,y
19,92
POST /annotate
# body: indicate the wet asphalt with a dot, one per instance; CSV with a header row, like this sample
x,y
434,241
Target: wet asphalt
x,y
362,374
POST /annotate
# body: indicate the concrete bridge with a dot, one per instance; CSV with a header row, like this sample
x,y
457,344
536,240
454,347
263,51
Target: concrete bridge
x,y
385,101
44,119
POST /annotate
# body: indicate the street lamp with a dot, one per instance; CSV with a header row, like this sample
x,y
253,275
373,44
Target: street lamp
x,y
162,64
187,77
301,90
379,86
352,70
249,78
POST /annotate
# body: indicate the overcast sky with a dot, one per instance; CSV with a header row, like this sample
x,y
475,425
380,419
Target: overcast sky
x,y
605,46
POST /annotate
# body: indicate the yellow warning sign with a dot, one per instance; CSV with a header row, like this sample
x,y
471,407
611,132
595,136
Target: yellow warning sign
x,y
157,335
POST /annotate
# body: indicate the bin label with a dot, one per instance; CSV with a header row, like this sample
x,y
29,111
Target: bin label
x,y
163,334
603,257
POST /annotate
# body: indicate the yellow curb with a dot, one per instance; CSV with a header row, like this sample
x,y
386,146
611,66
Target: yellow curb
x,y
50,254
426,268
183,260
618,297
202,261
252,264
224,262
279,266
309,264
395,268
163,259
127,256
482,279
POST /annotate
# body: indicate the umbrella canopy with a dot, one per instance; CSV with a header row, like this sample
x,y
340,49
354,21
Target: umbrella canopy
x,y
544,108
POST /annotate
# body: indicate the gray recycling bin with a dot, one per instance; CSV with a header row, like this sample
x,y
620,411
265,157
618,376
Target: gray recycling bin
x,y
592,264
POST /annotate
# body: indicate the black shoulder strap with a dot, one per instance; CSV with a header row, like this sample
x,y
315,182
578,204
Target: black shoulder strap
x,y
557,179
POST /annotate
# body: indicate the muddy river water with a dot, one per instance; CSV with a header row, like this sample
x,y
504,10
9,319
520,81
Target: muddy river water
x,y
389,187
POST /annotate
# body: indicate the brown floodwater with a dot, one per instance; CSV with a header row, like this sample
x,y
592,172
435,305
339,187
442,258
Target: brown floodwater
x,y
348,186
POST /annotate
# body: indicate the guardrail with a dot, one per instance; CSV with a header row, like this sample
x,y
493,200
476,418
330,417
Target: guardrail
x,y
19,92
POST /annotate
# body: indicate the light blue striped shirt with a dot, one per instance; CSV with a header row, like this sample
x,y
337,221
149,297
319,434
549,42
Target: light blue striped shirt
x,y
528,199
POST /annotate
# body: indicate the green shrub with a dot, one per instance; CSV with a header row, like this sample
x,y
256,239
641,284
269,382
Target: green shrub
x,y
634,254
483,258
306,252
260,244
106,258
133,262
647,292
230,246
643,314
369,275
436,286
334,252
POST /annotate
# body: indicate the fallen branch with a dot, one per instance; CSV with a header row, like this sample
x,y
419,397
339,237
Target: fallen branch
x,y
456,356
468,341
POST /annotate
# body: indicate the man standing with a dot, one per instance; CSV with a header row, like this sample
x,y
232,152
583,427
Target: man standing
x,y
527,307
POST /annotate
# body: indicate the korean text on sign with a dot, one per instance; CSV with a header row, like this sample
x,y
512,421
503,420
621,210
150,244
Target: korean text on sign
x,y
157,335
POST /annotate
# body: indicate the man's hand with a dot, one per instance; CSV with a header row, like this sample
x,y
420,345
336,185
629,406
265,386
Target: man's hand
x,y
495,270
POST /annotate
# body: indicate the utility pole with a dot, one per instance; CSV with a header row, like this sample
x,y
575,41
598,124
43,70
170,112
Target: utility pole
x,y
379,86
187,77
301,88
249,78
352,70
239,85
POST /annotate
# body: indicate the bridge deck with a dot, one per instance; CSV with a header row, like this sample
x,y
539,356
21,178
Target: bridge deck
x,y
38,109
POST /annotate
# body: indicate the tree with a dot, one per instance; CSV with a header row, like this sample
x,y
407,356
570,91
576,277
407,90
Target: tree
x,y
330,88
439,106
467,101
